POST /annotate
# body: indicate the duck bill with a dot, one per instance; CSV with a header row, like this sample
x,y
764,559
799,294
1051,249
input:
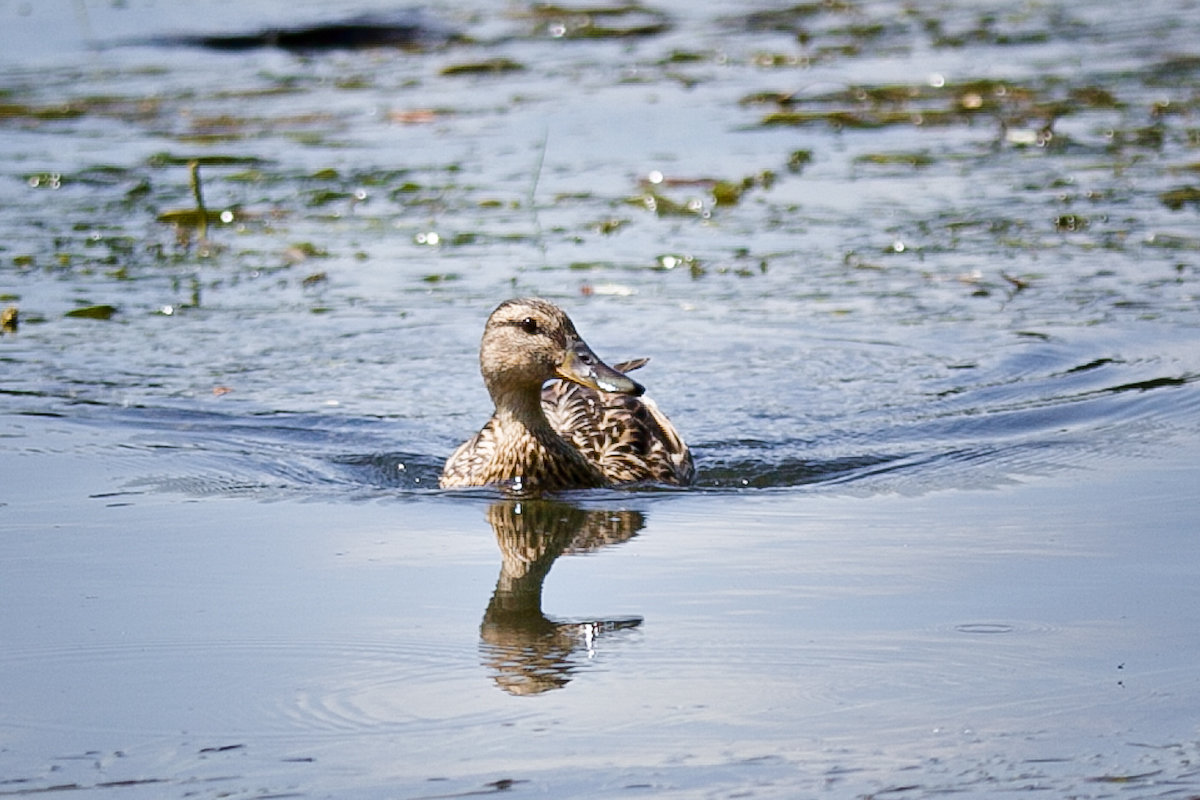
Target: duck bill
x,y
583,367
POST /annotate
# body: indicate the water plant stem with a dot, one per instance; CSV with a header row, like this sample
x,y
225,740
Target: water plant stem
x,y
201,211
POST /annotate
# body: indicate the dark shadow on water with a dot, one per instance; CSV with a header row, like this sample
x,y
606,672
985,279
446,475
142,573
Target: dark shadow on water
x,y
406,30
754,464
526,651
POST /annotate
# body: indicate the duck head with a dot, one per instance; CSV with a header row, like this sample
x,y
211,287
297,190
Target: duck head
x,y
529,341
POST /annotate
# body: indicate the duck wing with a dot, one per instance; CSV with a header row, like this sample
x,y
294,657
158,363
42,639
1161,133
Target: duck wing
x,y
469,459
628,438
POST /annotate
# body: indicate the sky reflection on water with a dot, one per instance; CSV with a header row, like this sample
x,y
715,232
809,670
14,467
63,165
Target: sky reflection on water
x,y
918,282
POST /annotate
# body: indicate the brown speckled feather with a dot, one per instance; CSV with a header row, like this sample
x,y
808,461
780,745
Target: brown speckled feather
x,y
626,437
520,461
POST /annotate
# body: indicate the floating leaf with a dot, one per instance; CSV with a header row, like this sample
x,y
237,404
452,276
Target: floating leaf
x,y
1175,199
191,217
798,160
601,22
63,111
905,159
610,226
727,193
171,160
664,206
303,250
838,119
323,197
1069,223
102,311
491,66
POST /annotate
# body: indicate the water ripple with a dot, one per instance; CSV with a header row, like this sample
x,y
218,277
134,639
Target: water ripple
x,y
1040,411
363,687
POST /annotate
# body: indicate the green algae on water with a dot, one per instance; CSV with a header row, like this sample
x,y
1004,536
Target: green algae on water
x,y
101,312
1176,199
491,66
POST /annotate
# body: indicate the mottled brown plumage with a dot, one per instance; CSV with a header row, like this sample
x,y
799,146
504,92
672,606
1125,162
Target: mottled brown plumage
x,y
587,427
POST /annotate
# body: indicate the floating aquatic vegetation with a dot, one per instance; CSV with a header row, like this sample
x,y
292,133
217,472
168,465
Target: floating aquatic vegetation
x,y
490,66
250,176
1173,71
126,109
1176,199
836,119
602,22
352,82
722,192
103,175
790,19
102,312
610,226
316,198
672,261
196,218
1093,97
22,111
1150,137
1070,223
664,206
303,251
685,57
728,193
164,159
798,159
1025,114
919,159
44,180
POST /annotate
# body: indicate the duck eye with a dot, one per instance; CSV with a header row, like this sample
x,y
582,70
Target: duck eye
x,y
529,325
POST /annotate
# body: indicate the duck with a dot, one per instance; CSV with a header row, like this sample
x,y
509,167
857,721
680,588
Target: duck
x,y
563,418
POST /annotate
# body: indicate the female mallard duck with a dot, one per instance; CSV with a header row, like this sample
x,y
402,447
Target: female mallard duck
x,y
587,429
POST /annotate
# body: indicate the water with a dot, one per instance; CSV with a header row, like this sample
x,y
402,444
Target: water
x,y
918,283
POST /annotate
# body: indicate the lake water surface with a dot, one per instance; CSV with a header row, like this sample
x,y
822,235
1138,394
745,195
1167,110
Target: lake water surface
x,y
918,282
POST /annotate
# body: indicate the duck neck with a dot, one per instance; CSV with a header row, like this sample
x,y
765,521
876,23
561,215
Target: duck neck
x,y
531,449
521,407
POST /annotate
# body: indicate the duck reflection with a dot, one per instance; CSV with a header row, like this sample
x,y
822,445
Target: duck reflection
x,y
526,651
